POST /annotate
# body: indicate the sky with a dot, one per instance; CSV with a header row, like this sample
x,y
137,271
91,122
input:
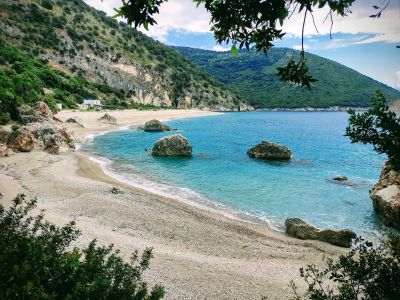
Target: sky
x,y
365,44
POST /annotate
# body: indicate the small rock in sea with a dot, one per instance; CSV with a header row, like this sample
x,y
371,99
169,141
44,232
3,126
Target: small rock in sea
x,y
340,178
116,190
269,151
305,231
155,125
109,119
173,145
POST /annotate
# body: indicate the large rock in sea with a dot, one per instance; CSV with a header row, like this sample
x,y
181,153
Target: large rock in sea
x,y
173,145
385,196
22,140
305,231
269,151
155,125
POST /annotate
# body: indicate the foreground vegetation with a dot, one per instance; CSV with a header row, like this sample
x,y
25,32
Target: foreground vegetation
x,y
253,76
37,262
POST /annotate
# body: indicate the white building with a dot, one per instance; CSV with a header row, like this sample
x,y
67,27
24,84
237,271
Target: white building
x,y
89,103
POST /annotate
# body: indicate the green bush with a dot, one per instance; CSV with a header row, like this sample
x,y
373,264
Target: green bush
x,y
36,262
379,127
367,272
4,118
47,4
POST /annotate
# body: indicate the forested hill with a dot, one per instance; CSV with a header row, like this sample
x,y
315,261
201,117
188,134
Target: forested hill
x,y
95,56
252,75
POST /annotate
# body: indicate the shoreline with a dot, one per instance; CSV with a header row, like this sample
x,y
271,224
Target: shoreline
x,y
198,253
314,109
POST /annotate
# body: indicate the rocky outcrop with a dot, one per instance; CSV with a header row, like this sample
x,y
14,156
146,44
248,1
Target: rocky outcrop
x,y
22,140
269,151
305,231
173,145
39,113
44,133
108,118
155,125
385,196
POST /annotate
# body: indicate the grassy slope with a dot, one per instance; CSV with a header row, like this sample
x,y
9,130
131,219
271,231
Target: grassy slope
x,y
252,75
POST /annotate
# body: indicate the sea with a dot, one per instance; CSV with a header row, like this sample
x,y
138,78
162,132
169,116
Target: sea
x,y
220,175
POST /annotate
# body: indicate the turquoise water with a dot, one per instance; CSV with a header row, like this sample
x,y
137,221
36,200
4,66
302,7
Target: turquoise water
x,y
221,172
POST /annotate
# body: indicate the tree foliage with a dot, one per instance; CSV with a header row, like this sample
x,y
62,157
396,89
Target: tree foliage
x,y
36,262
378,126
248,24
367,272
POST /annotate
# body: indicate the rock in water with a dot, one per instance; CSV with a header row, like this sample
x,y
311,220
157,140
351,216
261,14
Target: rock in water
x,y
269,151
108,118
385,196
155,125
22,140
340,178
173,145
305,231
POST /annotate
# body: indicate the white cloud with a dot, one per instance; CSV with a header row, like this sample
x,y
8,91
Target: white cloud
x,y
298,47
219,48
183,15
397,82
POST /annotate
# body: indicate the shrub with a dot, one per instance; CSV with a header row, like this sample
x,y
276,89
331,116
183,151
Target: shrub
x,y
379,127
4,118
47,4
367,272
35,262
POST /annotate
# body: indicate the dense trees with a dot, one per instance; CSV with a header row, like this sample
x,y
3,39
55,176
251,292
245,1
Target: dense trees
x,y
37,262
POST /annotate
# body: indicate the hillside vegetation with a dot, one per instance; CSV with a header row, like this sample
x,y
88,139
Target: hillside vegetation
x,y
253,76
100,57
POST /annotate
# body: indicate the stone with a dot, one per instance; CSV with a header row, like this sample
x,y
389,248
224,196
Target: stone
x,y
3,150
22,140
51,138
340,178
39,113
305,231
173,145
75,121
269,151
108,118
155,125
385,195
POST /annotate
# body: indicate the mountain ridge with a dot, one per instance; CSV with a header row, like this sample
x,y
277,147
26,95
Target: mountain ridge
x,y
253,76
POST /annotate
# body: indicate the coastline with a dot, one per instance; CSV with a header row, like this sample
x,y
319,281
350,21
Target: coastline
x,y
319,109
199,253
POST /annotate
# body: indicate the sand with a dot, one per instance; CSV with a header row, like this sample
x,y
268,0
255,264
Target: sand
x,y
198,254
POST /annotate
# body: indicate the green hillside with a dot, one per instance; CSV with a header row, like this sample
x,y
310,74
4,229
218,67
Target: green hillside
x,y
103,58
252,75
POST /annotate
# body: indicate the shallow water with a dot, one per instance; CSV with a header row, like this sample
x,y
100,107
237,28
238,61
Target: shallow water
x,y
221,171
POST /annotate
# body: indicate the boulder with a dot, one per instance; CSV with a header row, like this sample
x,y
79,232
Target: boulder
x,y
22,140
173,145
155,125
3,150
75,121
302,230
385,195
50,138
269,151
39,113
109,119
